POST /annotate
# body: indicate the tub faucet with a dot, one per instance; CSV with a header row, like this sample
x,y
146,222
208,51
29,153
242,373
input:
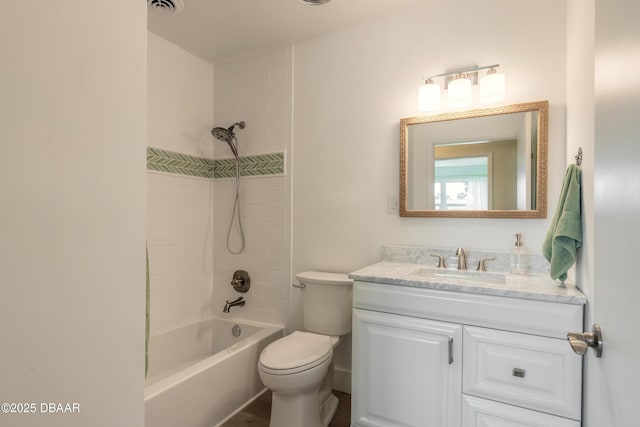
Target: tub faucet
x,y
228,305
462,259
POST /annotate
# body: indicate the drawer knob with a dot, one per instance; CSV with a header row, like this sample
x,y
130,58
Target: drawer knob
x,y
520,373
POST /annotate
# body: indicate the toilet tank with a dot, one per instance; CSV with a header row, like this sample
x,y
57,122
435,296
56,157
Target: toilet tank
x,y
327,299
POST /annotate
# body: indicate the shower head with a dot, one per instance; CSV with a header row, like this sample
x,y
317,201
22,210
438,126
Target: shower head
x,y
222,134
226,135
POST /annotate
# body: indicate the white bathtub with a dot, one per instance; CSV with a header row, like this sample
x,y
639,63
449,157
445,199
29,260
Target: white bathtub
x,y
201,374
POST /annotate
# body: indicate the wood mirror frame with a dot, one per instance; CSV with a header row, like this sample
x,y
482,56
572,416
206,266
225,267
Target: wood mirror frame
x,y
540,208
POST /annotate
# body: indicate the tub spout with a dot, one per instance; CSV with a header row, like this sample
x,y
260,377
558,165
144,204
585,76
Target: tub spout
x,y
229,304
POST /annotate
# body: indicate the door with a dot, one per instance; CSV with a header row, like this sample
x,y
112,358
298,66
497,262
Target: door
x,y
408,372
611,396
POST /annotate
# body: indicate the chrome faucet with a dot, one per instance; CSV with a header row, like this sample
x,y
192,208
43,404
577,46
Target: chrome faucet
x,y
462,259
228,305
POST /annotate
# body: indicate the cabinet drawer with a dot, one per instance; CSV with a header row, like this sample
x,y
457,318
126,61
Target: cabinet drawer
x,y
533,372
485,413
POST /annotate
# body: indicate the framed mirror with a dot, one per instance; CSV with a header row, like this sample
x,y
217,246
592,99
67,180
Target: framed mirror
x,y
488,163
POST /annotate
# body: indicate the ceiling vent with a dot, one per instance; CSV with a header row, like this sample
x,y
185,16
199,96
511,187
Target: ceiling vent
x,y
166,6
315,2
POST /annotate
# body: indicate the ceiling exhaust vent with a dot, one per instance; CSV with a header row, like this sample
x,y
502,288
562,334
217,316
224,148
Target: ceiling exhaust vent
x,y
315,2
166,6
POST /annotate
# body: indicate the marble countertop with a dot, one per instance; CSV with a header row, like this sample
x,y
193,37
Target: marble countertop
x,y
532,287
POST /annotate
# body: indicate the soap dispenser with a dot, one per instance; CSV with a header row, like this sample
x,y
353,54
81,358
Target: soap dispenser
x,y
519,256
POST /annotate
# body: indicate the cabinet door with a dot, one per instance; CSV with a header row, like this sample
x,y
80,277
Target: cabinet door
x,y
405,371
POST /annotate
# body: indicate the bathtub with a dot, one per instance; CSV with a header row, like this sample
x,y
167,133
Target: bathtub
x,y
201,374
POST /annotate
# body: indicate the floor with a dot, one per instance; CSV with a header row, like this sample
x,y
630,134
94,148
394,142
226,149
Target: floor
x,y
257,413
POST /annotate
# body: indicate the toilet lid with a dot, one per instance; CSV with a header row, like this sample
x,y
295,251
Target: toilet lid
x,y
296,351
320,277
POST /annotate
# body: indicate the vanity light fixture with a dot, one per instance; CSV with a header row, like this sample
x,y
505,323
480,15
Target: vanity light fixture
x,y
458,84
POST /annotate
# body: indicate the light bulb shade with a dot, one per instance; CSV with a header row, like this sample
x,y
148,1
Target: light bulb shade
x,y
429,96
459,92
492,87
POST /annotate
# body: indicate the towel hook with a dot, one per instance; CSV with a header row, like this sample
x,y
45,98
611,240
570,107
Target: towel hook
x,y
579,157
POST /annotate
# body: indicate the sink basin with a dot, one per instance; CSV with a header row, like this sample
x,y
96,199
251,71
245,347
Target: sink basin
x,y
463,275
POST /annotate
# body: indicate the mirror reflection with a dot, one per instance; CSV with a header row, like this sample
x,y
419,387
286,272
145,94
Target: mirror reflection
x,y
480,163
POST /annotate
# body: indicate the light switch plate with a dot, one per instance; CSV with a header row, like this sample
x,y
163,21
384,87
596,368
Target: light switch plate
x,y
392,204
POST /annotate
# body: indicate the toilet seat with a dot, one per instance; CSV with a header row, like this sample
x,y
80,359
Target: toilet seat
x,y
297,352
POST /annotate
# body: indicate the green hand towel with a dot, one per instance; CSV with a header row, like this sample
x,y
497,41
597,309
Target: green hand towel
x,y
565,234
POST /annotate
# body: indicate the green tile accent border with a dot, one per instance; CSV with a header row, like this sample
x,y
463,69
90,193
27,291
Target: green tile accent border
x,y
184,164
261,164
178,163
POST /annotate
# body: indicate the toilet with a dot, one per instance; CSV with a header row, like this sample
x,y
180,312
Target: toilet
x,y
298,368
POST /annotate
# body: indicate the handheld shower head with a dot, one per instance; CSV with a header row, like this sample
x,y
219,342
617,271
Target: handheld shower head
x,y
222,134
228,136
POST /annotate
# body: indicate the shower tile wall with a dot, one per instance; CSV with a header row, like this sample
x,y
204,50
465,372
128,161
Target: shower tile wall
x,y
179,207
261,164
256,89
180,261
178,163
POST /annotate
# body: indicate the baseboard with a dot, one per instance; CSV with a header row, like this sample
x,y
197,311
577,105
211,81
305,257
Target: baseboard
x,y
342,380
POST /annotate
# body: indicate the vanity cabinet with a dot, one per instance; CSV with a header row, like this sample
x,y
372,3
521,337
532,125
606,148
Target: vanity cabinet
x,y
436,358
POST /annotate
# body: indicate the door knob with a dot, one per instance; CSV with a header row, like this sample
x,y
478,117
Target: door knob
x,y
581,341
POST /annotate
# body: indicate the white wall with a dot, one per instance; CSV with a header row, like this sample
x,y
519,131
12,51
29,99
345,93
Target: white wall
x,y
580,133
180,99
72,252
351,89
180,212
580,119
257,89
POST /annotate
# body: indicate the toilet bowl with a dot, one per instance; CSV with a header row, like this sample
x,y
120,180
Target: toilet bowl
x,y
298,368
294,368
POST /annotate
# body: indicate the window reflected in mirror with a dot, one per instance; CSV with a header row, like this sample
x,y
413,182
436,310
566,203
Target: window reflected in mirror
x,y
461,183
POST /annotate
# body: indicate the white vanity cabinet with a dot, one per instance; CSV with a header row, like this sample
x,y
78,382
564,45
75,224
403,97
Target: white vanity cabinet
x,y
437,358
